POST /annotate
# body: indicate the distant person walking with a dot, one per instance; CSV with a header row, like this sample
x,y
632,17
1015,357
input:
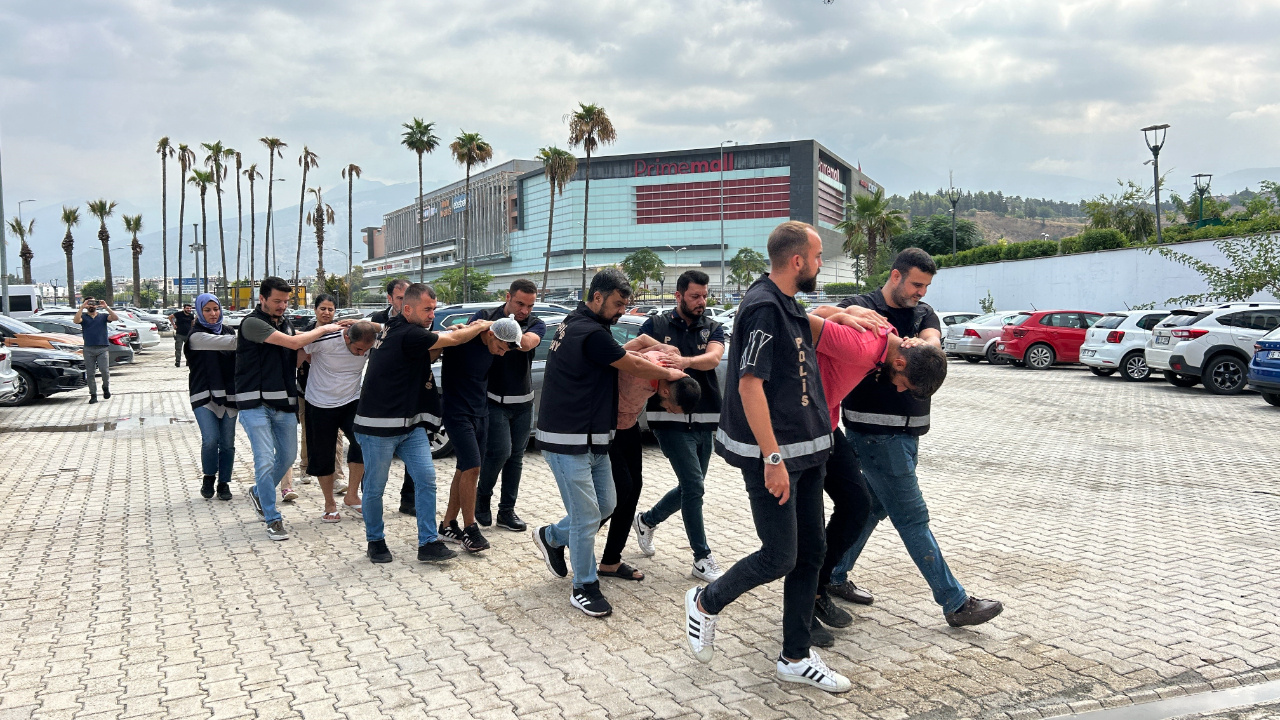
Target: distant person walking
x,y
92,316
211,382
181,322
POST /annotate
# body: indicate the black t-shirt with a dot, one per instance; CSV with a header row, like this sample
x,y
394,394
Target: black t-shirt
x,y
876,402
182,322
464,373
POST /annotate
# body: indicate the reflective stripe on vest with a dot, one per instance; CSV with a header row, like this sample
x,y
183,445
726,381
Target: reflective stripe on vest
x,y
657,416
788,451
886,420
556,438
268,395
396,422
510,399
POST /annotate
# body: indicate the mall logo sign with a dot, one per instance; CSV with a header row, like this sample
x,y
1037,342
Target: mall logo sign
x,y
662,167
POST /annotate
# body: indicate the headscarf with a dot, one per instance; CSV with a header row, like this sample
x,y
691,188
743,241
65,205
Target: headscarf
x,y
201,300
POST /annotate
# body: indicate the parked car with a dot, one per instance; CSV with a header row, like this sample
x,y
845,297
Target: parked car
x,y
152,316
1212,344
976,339
17,333
451,315
120,350
147,334
1042,338
42,373
234,318
1264,369
346,313
1118,341
951,317
8,376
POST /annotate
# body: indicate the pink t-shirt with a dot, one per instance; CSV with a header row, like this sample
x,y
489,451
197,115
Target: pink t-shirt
x,y
634,393
845,356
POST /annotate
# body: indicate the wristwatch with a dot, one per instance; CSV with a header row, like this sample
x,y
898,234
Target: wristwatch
x,y
773,459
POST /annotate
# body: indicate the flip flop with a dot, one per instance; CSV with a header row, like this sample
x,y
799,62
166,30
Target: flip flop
x,y
332,517
624,571
357,509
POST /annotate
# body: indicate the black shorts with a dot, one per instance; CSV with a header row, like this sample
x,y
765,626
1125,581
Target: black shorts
x,y
323,425
468,433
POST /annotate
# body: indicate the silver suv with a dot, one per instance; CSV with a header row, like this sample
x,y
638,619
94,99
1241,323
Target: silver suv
x,y
1211,344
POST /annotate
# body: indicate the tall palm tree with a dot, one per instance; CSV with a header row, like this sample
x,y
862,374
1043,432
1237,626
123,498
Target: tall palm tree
x,y
350,173
469,150
103,209
202,179
418,137
252,173
21,232
186,161
317,219
133,224
165,151
558,165
274,149
70,218
307,161
214,161
590,127
235,301
870,217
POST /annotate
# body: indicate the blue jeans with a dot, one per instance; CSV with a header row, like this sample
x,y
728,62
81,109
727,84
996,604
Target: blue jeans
x,y
586,487
273,436
508,436
415,450
889,465
690,453
217,443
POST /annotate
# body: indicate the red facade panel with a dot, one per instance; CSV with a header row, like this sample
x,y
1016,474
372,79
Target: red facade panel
x,y
767,197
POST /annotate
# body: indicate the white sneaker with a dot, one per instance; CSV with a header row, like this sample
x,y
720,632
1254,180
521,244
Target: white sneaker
x,y
812,671
707,569
644,535
339,486
305,479
699,627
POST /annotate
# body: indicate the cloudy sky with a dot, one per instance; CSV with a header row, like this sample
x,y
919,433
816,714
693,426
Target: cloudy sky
x,y
1032,97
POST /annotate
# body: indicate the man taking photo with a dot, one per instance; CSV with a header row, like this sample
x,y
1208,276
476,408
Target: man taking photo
x,y
92,316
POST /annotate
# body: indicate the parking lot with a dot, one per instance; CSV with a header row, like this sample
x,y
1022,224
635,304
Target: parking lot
x,y
1129,527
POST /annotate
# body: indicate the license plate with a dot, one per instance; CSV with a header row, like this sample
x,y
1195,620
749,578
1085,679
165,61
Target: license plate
x,y
1088,353
1162,339
1273,355
951,346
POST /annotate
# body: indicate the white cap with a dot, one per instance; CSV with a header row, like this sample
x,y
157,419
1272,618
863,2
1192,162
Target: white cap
x,y
507,329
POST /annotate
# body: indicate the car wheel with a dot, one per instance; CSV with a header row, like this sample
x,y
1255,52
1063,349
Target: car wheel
x,y
1272,398
1102,372
25,390
1180,380
1039,357
1134,367
441,446
975,359
1225,375
993,357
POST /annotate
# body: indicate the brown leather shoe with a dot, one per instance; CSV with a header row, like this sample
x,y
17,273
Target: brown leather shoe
x,y
975,611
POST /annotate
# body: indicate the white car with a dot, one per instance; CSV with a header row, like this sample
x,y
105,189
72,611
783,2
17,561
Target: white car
x,y
1211,344
8,376
950,318
976,339
235,317
1118,341
148,334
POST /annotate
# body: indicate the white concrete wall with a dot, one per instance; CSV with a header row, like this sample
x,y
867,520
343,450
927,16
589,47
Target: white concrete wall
x,y
1102,281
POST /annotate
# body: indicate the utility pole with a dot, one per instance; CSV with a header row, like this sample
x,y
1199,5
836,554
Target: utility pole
x,y
1155,141
953,195
723,283
4,254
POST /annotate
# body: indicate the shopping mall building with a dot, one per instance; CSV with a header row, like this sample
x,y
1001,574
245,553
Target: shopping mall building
x,y
692,207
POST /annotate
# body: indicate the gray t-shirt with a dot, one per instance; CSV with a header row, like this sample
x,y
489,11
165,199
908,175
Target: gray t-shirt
x,y
257,330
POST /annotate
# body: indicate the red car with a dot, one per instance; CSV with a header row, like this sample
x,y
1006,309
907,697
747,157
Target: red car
x,y
1040,339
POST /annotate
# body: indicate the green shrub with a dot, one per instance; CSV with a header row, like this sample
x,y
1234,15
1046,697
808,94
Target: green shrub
x,y
1030,249
1108,239
841,288
1069,245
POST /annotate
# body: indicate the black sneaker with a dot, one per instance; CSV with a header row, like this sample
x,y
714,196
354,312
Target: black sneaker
x,y
820,636
483,515
510,520
472,540
435,551
206,488
852,593
553,556
975,611
224,491
826,610
407,507
257,504
452,533
378,552
106,394
589,600
93,400
276,531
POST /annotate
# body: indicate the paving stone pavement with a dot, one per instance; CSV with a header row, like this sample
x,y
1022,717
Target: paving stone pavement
x,y
1129,529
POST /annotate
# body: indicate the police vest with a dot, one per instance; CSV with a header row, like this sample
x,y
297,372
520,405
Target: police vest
x,y
875,407
399,391
579,398
511,376
690,341
266,373
211,382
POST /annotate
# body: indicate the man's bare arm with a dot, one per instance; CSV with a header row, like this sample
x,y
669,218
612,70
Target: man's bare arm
x,y
641,367
756,407
460,335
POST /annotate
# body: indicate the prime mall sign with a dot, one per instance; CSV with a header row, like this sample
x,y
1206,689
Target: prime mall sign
x,y
645,168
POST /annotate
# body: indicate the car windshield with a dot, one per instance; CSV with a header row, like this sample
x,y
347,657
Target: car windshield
x,y
1020,319
17,326
1109,322
988,319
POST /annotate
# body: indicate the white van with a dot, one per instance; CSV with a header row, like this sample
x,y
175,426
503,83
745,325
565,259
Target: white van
x,y
24,301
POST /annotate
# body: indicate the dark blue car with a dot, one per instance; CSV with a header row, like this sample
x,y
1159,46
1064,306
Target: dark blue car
x,y
1264,370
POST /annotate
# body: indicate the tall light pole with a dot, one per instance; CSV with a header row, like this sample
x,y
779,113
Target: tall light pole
x,y
4,255
675,264
722,279
1154,136
1202,181
20,203
275,259
196,246
953,196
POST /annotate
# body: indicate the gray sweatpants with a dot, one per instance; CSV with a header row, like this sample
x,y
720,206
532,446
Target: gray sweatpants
x,y
96,357
178,342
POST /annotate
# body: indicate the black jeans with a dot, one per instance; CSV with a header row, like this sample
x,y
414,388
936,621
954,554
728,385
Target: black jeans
x,y
508,436
850,503
626,462
792,545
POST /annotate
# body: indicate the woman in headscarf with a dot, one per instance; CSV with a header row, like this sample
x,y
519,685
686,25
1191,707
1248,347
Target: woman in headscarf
x,y
211,357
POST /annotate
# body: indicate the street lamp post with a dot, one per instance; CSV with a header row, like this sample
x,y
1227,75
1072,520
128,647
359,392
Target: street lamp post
x,y
4,256
196,246
20,202
953,196
722,279
675,264
1202,181
275,258
1155,141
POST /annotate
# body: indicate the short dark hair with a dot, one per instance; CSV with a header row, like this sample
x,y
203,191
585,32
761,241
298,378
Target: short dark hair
x,y
272,283
394,283
914,258
926,369
325,296
524,286
686,392
691,277
362,330
607,281
187,305
788,239
415,291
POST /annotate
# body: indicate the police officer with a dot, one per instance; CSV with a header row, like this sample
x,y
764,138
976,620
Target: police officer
x,y
686,440
776,429
395,301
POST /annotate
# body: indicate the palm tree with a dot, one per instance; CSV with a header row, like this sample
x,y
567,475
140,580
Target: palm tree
x,y
558,165
590,127
21,232
203,179
252,173
70,218
165,151
307,160
350,173
186,161
418,137
870,217
103,209
274,150
235,301
318,218
213,161
133,224
469,150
